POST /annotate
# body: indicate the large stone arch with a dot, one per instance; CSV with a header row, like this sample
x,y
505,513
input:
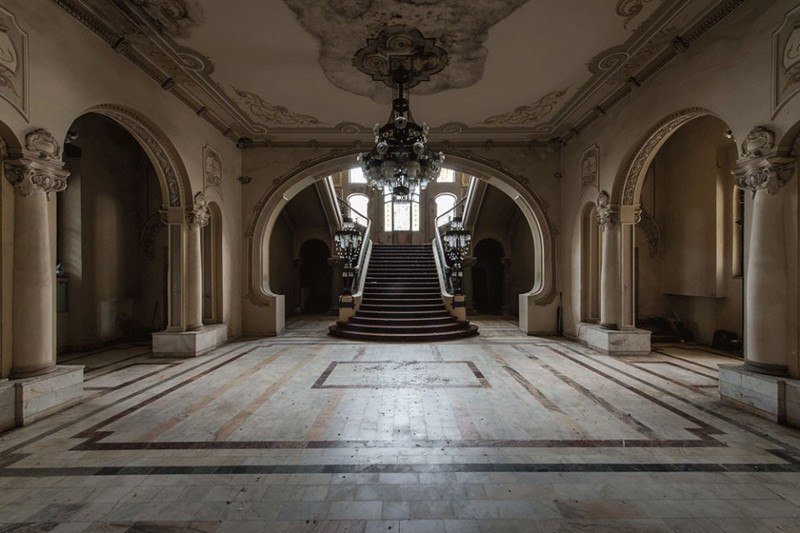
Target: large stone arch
x,y
172,175
285,187
176,194
626,200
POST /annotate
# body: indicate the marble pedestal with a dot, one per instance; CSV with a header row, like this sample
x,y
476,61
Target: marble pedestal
x,y
772,397
189,343
8,402
613,341
40,396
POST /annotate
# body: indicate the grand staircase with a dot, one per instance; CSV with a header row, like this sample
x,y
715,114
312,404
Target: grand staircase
x,y
402,301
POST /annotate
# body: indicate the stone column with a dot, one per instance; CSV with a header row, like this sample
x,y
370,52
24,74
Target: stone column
x,y
196,218
35,174
608,219
766,277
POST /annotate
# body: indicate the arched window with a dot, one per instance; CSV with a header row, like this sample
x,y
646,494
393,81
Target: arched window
x,y
359,203
444,203
401,214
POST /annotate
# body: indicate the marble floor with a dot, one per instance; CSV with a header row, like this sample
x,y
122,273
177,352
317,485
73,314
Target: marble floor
x,y
303,432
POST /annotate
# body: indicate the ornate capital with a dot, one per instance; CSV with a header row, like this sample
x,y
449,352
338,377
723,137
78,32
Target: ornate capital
x,y
761,166
607,216
200,215
30,175
769,173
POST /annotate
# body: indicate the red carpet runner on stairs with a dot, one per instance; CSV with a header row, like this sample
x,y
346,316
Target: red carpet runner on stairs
x,y
402,301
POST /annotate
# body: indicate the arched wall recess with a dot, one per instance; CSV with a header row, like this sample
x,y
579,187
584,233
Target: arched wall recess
x,y
285,187
176,194
626,199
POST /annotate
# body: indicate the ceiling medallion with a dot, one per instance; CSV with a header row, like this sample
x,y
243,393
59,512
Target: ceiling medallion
x,y
397,46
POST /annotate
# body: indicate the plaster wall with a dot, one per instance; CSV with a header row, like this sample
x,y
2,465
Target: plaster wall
x,y
72,70
729,73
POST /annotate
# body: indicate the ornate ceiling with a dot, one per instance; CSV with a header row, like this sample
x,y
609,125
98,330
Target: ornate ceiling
x,y
290,71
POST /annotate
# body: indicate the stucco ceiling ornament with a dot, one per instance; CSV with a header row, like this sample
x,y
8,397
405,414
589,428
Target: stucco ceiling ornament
x,y
13,62
629,9
200,215
461,27
607,216
273,114
530,114
590,166
786,60
212,167
401,45
43,144
175,18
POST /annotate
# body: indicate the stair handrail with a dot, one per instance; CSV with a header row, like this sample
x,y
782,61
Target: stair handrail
x,y
439,246
359,272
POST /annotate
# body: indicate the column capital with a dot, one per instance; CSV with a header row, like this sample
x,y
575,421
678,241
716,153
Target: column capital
x,y
607,215
762,166
199,215
30,175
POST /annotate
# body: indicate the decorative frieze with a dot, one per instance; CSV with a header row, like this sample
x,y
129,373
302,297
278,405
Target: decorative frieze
x,y
13,62
212,167
590,165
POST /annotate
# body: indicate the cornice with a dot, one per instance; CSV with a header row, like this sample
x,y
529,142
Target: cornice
x,y
186,74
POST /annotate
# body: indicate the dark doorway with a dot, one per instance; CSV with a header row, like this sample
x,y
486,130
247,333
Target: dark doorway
x,y
487,277
315,278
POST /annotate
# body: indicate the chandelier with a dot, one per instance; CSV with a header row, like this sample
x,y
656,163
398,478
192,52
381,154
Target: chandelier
x,y
401,161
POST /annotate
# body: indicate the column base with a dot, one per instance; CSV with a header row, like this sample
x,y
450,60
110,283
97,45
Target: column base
x,y
775,398
189,343
614,341
8,405
41,396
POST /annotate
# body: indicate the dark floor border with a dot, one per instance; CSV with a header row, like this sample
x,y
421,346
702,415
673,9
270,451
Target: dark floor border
x,y
403,469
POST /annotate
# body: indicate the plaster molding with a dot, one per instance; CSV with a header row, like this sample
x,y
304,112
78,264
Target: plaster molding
x,y
14,63
762,167
607,215
42,143
630,9
648,224
759,141
212,167
590,167
163,156
29,175
401,45
786,60
129,28
200,215
627,188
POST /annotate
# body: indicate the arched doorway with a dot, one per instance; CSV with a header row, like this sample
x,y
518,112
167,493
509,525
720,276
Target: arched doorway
x,y
267,288
315,278
488,277
112,247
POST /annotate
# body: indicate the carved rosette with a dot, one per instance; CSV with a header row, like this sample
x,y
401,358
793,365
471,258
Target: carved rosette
x,y
762,167
200,215
607,215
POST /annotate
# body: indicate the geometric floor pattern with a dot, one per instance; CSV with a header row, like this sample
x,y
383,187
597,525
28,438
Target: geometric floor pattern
x,y
303,432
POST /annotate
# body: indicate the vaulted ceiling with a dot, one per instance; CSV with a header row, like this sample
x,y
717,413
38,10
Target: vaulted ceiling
x,y
284,71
